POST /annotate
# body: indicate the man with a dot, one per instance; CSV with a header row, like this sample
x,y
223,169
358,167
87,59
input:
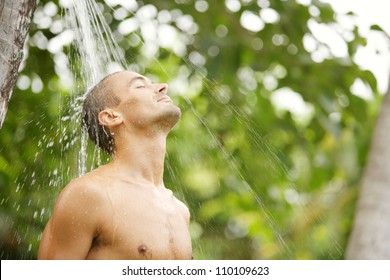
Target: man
x,y
122,210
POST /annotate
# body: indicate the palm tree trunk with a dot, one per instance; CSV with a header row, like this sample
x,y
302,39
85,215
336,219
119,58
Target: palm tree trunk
x,y
15,17
370,237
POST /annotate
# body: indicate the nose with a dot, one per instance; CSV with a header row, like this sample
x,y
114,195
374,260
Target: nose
x,y
162,89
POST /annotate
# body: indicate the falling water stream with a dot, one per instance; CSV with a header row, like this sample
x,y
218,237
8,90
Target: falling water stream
x,y
98,54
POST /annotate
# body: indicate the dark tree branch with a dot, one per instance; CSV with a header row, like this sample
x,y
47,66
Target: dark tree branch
x,y
15,17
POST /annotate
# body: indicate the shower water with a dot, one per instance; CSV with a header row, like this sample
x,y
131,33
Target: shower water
x,y
98,54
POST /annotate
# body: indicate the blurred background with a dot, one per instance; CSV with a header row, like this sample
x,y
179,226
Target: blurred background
x,y
279,100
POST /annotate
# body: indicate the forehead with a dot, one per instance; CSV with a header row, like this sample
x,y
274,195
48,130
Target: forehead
x,y
125,77
119,83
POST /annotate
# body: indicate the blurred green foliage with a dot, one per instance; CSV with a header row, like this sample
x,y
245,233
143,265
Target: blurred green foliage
x,y
262,182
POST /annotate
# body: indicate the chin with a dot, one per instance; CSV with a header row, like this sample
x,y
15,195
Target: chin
x,y
177,112
175,115
171,117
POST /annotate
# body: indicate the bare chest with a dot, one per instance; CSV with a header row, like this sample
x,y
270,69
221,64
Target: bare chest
x,y
145,225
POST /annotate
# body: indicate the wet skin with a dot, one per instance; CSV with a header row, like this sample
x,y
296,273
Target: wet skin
x,y
114,218
123,210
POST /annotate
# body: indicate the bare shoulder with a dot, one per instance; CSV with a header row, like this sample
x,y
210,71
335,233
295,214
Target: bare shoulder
x,y
86,187
86,194
77,218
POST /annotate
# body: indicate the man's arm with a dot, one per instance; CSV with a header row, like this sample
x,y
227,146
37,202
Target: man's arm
x,y
73,225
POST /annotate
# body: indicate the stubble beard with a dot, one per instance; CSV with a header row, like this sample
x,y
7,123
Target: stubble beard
x,y
162,121
169,118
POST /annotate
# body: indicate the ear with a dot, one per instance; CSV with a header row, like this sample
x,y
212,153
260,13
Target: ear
x,y
109,118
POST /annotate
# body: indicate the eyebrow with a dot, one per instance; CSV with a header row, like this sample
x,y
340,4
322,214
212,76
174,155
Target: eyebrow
x,y
133,80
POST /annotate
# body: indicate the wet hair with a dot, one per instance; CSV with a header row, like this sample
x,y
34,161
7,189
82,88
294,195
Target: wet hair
x,y
98,98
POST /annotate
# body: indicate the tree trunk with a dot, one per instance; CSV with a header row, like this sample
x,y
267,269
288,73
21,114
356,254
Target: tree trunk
x,y
15,17
370,237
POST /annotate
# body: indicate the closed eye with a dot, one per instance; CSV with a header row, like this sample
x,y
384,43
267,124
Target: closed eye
x,y
139,82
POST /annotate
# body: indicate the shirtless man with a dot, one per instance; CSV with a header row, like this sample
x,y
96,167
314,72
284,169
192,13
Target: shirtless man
x,y
122,210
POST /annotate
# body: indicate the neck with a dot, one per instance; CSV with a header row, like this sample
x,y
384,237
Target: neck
x,y
141,157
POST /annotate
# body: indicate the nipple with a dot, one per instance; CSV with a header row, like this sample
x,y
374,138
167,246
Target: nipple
x,y
145,252
142,249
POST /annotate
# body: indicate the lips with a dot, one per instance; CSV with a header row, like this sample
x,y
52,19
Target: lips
x,y
164,98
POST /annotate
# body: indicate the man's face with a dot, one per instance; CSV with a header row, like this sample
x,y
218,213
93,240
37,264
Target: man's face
x,y
143,102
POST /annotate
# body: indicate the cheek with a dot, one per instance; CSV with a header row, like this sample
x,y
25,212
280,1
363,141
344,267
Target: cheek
x,y
139,101
138,109
131,104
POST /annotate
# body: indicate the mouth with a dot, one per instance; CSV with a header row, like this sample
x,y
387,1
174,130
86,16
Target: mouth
x,y
164,98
